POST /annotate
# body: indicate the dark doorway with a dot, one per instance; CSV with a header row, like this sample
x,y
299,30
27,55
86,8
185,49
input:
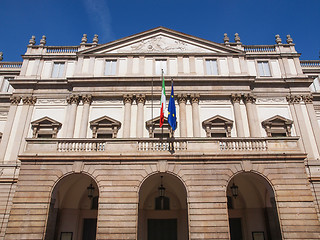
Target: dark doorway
x,y
235,229
89,229
162,229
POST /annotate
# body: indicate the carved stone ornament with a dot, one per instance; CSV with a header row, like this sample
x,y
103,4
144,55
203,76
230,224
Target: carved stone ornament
x,y
127,98
182,98
289,39
235,98
87,98
15,100
236,38
43,40
307,98
32,41
278,39
141,98
95,39
226,38
73,99
29,100
1,56
84,39
248,98
195,98
293,99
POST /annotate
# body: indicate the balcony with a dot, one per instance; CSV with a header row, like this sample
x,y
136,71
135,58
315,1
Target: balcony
x,y
181,148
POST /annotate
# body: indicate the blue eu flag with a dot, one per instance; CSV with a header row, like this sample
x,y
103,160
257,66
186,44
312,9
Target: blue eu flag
x,y
172,117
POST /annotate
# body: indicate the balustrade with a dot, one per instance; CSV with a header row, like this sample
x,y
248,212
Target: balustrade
x,y
310,63
259,48
10,64
62,49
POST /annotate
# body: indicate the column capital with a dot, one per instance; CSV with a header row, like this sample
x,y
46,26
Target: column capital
x,y
293,99
235,97
141,98
307,98
15,100
127,98
87,98
73,99
195,97
182,98
249,98
29,100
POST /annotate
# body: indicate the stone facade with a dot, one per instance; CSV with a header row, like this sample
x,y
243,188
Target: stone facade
x,y
83,157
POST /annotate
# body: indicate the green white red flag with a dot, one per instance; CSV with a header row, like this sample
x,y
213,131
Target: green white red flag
x,y
163,102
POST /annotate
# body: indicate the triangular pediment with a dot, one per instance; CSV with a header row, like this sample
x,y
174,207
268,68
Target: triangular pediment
x,y
45,121
156,121
105,121
161,40
217,120
277,120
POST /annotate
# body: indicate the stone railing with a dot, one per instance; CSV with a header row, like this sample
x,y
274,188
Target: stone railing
x,y
13,65
162,145
62,49
176,146
259,48
84,145
310,63
243,144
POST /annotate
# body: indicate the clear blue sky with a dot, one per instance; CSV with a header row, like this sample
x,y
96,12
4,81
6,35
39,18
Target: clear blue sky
x,y
64,21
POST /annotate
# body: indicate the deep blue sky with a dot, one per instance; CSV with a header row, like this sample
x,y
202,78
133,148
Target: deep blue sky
x,y
64,21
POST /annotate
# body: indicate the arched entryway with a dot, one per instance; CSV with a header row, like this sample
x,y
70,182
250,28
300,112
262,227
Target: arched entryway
x,y
252,208
163,213
73,209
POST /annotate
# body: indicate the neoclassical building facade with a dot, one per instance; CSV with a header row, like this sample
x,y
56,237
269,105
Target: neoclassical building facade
x,y
83,156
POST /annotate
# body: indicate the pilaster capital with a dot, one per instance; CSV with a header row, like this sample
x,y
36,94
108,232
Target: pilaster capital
x,y
182,98
235,97
307,98
29,100
249,98
73,99
293,99
141,98
14,100
127,98
195,97
87,98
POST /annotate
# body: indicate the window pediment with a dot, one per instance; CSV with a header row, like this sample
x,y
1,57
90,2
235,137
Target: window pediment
x,y
105,127
218,126
277,126
45,128
156,131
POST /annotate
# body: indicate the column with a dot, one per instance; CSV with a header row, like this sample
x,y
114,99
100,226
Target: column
x,y
182,100
195,114
86,99
8,127
253,120
140,114
294,100
127,100
73,100
308,100
235,99
25,118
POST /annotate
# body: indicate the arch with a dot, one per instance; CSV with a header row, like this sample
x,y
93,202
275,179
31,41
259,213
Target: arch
x,y
254,208
167,214
72,209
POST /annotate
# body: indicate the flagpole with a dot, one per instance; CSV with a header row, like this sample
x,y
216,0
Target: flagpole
x,y
161,93
152,99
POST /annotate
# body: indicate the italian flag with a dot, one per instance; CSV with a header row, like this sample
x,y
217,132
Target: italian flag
x,y
163,102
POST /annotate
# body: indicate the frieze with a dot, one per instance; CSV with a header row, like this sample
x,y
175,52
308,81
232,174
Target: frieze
x,y
272,100
51,101
161,44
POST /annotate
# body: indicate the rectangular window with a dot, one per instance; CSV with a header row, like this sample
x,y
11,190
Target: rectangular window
x,y
264,70
58,70
5,87
110,69
212,67
161,65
